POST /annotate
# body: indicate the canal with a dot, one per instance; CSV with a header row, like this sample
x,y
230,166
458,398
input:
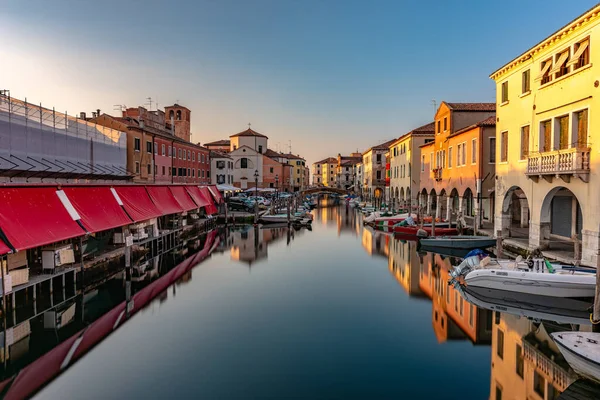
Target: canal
x,y
339,311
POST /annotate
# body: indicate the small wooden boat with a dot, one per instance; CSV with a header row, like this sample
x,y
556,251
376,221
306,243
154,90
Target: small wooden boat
x,y
534,277
276,219
459,242
582,352
412,230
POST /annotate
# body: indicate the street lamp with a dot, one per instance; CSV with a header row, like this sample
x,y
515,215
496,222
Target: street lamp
x,y
256,196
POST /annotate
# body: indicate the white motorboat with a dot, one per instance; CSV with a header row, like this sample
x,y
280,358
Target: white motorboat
x,y
276,218
582,352
532,276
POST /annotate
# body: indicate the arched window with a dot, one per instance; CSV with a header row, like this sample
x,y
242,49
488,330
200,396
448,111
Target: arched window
x,y
171,114
244,163
178,115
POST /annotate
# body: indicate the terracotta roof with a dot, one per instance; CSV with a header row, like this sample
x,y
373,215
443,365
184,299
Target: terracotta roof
x,y
381,146
490,121
248,132
472,106
425,129
224,142
218,154
272,153
329,160
292,156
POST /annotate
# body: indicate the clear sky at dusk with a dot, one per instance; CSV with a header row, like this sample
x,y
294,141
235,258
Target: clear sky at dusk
x,y
331,76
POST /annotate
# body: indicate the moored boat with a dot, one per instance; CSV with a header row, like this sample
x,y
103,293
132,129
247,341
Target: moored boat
x,y
582,352
412,230
459,242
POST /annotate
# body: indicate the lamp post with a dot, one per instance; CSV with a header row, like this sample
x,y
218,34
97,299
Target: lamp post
x,y
256,197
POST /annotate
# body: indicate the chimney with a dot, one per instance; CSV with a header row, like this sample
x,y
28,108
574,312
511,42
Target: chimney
x,y
82,115
98,112
93,114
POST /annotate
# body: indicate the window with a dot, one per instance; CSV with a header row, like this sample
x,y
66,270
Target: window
x,y
378,159
504,92
520,361
378,175
438,126
545,135
581,55
170,152
553,392
526,81
497,317
473,151
464,154
545,75
163,170
188,172
260,148
504,146
244,163
137,167
180,154
155,148
271,169
580,128
194,173
136,144
500,344
174,171
163,150
560,65
189,155
563,133
149,168
194,156
539,384
199,173
148,147
498,392
445,124
524,142
422,163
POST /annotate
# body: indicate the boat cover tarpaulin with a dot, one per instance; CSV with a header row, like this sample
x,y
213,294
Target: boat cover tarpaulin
x,y
97,207
4,248
32,217
215,193
198,197
164,200
46,368
183,198
210,208
137,203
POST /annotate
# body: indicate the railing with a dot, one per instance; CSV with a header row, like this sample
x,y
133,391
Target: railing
x,y
553,372
574,160
437,174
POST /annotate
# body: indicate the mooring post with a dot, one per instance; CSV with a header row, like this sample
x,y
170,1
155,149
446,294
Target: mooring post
x,y
499,252
289,219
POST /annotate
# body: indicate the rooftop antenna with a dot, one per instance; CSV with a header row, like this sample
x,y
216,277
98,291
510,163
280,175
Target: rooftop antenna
x,y
149,103
290,146
434,103
119,107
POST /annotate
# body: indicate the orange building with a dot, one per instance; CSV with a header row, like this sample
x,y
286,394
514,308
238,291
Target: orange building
x,y
457,168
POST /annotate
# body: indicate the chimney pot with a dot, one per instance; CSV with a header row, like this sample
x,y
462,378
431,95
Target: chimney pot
x,y
82,115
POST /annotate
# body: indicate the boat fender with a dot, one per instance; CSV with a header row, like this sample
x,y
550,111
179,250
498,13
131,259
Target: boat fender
x,y
421,233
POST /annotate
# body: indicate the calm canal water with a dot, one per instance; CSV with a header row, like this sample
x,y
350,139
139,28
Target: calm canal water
x,y
337,312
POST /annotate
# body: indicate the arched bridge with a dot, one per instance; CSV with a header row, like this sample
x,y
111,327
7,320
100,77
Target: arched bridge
x,y
325,189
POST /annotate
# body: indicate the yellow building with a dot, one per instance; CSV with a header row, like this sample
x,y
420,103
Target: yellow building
x,y
298,180
546,186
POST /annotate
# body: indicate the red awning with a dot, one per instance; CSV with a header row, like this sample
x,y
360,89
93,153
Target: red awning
x,y
4,248
198,196
210,208
183,198
137,203
97,207
164,199
215,193
32,217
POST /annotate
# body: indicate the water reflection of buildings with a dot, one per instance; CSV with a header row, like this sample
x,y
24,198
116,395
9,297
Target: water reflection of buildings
x,y
376,243
404,265
525,360
249,244
452,316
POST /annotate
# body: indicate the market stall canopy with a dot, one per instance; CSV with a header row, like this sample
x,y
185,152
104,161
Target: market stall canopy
x,y
163,198
183,198
215,193
210,208
137,202
198,197
32,217
97,207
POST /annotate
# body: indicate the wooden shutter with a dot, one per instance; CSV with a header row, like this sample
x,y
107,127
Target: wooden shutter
x,y
582,124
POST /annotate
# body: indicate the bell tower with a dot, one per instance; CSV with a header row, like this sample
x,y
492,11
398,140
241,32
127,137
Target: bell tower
x,y
179,117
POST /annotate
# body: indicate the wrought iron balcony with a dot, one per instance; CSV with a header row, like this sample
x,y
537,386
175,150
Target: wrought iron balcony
x,y
437,174
567,163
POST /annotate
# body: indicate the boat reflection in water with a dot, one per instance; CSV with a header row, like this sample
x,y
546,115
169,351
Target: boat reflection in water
x,y
525,361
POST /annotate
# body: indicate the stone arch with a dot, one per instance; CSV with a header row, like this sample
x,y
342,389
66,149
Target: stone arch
x,y
407,197
244,163
178,115
171,114
432,203
515,213
561,218
468,207
401,197
455,202
443,205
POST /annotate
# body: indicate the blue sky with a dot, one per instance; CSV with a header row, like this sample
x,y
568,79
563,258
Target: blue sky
x,y
331,76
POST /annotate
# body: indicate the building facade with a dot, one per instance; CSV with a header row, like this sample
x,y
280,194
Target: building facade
x,y
456,164
221,167
345,170
405,163
222,146
546,187
374,171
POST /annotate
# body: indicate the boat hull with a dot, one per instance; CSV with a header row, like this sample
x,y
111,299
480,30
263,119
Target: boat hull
x,y
412,230
582,355
459,242
543,284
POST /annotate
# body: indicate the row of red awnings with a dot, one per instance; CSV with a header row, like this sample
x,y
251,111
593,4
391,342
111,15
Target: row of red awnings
x,y
38,216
